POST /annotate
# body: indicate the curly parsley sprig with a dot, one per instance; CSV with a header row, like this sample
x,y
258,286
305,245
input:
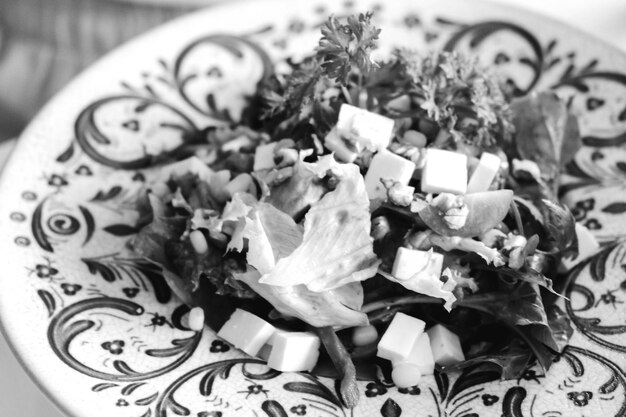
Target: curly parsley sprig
x,y
344,46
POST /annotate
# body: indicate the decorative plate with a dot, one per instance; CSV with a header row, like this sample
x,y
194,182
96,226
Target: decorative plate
x,y
102,333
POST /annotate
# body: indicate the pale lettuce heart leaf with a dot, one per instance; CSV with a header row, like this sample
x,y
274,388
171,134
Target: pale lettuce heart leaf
x,y
319,309
337,247
271,234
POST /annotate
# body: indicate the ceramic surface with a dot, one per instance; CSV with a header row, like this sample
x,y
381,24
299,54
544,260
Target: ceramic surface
x,y
101,332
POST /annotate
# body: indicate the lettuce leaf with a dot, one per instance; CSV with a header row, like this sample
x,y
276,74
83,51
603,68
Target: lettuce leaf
x,y
338,307
336,246
486,210
271,235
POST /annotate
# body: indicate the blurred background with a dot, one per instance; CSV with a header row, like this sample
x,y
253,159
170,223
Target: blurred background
x,y
45,43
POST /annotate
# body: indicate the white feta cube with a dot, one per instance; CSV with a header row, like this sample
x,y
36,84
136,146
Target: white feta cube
x,y
246,331
408,262
335,143
444,171
387,165
445,346
400,337
264,157
422,355
484,174
587,246
373,130
293,351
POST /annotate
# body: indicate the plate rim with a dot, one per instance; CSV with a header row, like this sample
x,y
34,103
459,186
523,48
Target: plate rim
x,y
22,353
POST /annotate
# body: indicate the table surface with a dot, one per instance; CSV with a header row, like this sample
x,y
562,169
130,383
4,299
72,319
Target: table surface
x,y
20,397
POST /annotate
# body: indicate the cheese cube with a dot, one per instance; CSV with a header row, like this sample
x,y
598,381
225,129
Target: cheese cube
x,y
444,171
400,337
373,130
264,156
484,173
339,147
408,262
246,332
445,346
422,355
387,165
293,351
587,246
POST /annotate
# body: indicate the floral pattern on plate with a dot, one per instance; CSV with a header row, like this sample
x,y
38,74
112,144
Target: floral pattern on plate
x,y
109,319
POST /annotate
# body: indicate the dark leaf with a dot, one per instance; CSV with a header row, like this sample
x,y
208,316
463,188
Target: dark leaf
x,y
121,230
561,226
390,409
560,326
528,275
621,165
509,364
546,133
615,208
522,309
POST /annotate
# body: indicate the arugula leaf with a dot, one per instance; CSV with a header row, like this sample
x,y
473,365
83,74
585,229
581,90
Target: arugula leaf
x,y
511,362
344,46
527,275
546,133
523,310
560,224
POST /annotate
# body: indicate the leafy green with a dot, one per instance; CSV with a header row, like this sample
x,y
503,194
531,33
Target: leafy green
x,y
338,307
343,46
511,362
523,310
163,241
460,96
296,195
486,211
546,133
336,248
561,227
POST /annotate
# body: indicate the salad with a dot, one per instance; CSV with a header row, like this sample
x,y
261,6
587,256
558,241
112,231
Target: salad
x,y
400,214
